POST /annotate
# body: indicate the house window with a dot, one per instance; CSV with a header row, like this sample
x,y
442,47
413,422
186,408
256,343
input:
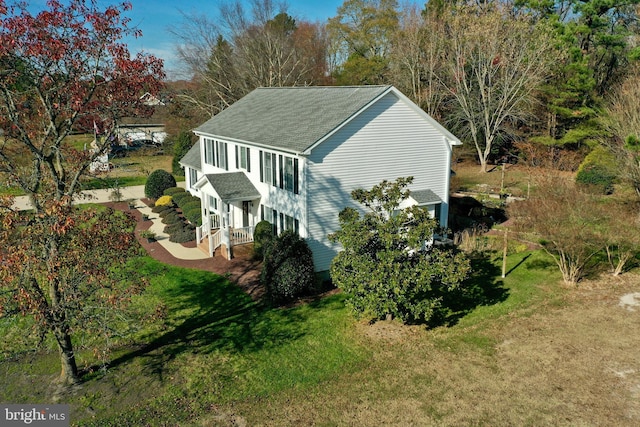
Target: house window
x,y
271,216
215,153
213,203
268,168
221,155
288,173
243,158
193,177
290,223
209,151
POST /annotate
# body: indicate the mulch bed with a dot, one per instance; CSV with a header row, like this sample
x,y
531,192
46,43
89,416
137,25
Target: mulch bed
x,y
242,270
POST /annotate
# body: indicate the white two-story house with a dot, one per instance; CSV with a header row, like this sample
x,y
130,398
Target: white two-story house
x,y
292,156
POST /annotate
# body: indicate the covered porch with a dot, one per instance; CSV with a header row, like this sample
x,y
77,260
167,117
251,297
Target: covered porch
x,y
229,212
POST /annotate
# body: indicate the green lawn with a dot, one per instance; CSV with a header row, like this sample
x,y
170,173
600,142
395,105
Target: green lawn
x,y
205,348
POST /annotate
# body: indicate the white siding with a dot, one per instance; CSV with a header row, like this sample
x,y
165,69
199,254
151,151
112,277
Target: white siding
x,y
281,200
388,140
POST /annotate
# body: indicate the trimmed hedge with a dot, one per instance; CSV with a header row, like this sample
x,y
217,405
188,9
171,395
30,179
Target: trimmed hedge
x,y
171,218
183,235
158,181
161,208
262,237
180,198
173,190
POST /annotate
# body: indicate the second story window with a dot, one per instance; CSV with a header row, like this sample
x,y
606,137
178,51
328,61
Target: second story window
x,y
209,151
193,177
215,153
288,174
243,158
268,168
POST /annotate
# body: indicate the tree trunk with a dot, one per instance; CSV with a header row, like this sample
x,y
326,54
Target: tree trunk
x,y
69,368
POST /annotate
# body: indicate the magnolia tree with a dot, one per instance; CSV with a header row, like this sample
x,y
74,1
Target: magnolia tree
x,y
62,70
386,267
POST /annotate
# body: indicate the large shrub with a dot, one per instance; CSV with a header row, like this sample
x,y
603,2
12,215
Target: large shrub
x,y
262,237
158,181
598,171
287,271
386,269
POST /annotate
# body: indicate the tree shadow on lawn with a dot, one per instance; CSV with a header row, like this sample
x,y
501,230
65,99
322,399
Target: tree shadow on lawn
x,y
482,288
208,313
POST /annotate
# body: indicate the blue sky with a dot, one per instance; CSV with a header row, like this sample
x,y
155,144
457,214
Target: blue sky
x,y
154,17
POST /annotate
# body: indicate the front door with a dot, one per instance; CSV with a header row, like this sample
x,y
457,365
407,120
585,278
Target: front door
x,y
245,214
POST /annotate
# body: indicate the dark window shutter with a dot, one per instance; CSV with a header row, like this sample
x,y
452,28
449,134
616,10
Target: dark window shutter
x,y
237,157
274,168
275,222
248,160
296,190
281,169
261,167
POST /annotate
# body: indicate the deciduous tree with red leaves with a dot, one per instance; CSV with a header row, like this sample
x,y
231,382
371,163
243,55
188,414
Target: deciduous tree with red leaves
x,y
62,70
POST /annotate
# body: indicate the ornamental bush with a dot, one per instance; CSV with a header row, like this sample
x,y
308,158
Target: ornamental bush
x,y
183,235
173,190
164,201
262,237
179,197
171,218
172,228
159,209
287,271
158,181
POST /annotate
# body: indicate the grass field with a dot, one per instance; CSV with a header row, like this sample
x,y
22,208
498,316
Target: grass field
x,y
526,352
126,171
518,351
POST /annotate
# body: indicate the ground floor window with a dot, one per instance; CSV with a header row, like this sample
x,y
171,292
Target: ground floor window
x,y
280,220
193,177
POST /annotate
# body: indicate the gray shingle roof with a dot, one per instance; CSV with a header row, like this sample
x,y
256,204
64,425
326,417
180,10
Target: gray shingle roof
x,y
290,118
233,186
425,197
192,158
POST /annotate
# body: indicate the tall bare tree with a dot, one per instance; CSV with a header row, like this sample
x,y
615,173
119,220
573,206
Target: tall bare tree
x,y
494,65
248,48
416,58
623,123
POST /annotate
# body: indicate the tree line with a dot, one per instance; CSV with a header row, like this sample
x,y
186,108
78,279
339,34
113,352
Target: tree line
x,y
521,79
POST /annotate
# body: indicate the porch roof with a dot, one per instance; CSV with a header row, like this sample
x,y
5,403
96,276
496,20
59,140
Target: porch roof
x,y
233,186
425,197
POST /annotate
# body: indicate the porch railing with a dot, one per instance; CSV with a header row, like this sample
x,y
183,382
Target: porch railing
x,y
202,232
243,235
216,240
